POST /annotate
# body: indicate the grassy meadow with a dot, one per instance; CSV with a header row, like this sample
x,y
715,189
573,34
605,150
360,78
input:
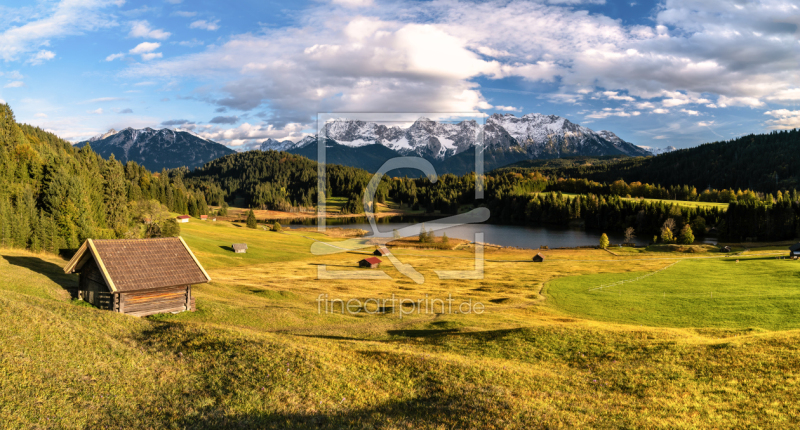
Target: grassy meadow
x,y
548,351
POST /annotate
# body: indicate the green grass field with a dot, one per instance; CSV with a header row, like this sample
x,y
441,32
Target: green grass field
x,y
548,352
683,203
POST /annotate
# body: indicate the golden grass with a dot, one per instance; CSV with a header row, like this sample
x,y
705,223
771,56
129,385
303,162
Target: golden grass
x,y
257,354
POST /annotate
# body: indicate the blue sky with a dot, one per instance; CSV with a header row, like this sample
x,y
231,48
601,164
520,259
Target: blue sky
x,y
674,72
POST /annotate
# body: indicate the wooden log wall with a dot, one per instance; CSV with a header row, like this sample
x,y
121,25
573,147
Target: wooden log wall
x,y
163,300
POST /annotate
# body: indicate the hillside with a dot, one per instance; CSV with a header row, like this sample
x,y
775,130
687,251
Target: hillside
x,y
258,353
157,149
762,162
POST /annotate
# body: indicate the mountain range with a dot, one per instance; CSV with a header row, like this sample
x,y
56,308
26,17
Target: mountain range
x,y
449,146
157,149
505,139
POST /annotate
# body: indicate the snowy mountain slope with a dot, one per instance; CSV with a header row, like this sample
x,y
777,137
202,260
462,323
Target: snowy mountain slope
x,y
157,149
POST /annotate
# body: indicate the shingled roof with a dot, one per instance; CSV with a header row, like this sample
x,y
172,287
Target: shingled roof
x,y
141,264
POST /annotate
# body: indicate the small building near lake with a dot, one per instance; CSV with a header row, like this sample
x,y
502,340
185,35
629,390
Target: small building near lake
x,y
794,251
371,262
239,248
137,277
381,251
538,258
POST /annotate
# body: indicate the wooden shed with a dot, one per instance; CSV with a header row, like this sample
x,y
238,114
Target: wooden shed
x,y
371,262
239,248
381,251
184,218
794,250
203,217
538,258
137,277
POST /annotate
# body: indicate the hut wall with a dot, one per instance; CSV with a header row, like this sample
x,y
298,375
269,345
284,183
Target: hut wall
x,y
92,287
157,301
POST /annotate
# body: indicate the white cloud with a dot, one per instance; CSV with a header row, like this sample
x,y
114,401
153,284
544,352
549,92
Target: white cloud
x,y
508,108
425,57
2,102
151,56
660,111
145,47
353,3
113,57
40,115
205,25
607,112
248,135
784,119
98,111
142,29
67,17
14,84
690,112
184,14
41,56
614,95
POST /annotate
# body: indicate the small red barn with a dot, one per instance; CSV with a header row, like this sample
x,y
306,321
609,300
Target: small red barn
x,y
184,218
371,262
382,251
204,217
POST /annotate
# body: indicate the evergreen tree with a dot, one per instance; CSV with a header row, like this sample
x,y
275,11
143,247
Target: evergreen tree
x,y
251,219
170,228
686,237
276,226
604,241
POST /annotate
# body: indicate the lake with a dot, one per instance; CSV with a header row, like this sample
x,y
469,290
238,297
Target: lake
x,y
504,235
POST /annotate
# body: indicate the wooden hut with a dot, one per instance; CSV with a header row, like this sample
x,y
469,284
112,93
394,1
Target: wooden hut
x,y
371,262
203,217
239,248
381,251
794,251
184,218
538,258
137,277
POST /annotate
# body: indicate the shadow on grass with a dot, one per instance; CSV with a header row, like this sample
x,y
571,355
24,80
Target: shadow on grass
x,y
223,367
46,268
227,248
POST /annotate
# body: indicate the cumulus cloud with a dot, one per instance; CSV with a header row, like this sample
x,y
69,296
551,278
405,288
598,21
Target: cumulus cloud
x,y
427,57
14,84
508,108
143,29
113,57
52,22
205,25
246,135
41,56
98,111
690,112
145,47
784,119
